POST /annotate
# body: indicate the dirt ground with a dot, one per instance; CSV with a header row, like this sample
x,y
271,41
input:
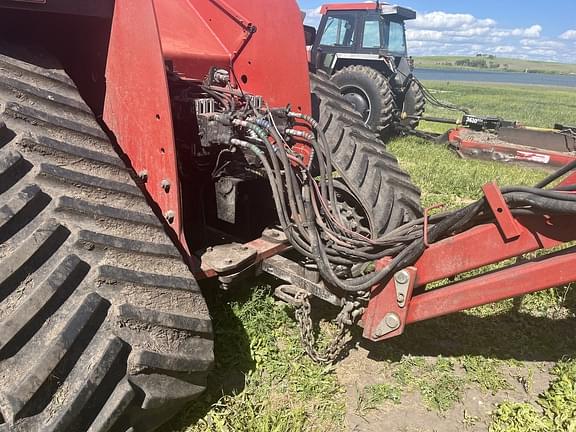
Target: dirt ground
x,y
472,413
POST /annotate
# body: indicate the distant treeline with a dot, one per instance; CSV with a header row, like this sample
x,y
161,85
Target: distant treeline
x,y
482,63
491,62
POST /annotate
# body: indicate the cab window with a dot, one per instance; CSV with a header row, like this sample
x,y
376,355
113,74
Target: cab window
x,y
339,31
396,39
371,37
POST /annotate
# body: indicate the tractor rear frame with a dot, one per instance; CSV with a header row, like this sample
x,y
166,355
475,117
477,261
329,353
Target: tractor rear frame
x,y
405,298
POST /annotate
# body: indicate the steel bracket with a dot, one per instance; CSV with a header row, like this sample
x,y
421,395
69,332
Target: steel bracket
x,y
402,283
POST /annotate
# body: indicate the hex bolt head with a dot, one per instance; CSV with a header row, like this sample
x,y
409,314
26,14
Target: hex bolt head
x,y
165,184
170,216
400,297
143,175
402,277
392,320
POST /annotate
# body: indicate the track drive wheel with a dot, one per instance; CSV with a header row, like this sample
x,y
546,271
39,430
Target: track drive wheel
x,y
383,190
370,94
414,104
102,325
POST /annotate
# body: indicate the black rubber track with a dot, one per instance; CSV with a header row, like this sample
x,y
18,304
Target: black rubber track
x,y
377,88
102,326
386,192
414,104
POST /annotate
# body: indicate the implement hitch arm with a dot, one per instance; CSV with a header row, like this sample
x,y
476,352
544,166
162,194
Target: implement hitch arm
x,y
405,299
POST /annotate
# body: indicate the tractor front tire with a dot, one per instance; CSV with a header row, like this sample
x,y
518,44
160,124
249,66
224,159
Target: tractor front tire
x,y
386,193
370,94
102,325
414,105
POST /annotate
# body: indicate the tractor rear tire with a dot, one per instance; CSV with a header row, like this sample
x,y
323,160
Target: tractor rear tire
x,y
385,191
102,325
414,105
371,95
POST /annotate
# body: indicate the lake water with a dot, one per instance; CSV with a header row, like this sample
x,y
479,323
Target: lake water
x,y
496,77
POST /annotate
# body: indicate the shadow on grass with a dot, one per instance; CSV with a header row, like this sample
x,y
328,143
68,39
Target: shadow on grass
x,y
233,359
511,335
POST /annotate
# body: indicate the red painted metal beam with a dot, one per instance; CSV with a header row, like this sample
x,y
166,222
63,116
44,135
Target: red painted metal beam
x,y
348,6
137,104
511,282
470,250
501,212
484,245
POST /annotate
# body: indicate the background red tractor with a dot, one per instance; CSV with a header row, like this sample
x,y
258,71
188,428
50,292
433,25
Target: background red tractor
x,y
362,46
146,145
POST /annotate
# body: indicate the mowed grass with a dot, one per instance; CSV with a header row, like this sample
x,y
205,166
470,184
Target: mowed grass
x,y
263,382
537,106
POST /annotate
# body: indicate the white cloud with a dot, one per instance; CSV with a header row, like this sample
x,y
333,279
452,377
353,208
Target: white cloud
x,y
505,49
443,33
446,21
568,35
313,16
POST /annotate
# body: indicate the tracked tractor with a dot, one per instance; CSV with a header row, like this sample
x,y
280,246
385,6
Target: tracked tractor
x,y
147,146
362,46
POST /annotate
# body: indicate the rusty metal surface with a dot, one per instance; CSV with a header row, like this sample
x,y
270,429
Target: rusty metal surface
x,y
293,273
229,257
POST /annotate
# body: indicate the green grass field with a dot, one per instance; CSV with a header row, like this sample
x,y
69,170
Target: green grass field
x,y
496,63
516,355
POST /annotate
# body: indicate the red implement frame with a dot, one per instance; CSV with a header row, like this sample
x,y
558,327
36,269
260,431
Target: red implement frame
x,y
388,312
509,152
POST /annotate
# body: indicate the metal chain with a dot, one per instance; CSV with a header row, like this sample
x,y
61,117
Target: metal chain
x,y
307,332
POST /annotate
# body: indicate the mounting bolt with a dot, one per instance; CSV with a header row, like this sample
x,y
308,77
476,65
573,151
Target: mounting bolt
x,y
389,323
392,320
400,297
402,277
143,175
165,184
170,216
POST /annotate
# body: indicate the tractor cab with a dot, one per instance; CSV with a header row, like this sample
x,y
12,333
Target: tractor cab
x,y
370,34
362,47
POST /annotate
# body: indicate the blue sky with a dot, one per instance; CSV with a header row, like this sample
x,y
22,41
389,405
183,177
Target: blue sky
x,y
521,29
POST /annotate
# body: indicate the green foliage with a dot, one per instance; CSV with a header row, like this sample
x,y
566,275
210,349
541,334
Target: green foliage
x,y
485,372
437,382
374,395
557,407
